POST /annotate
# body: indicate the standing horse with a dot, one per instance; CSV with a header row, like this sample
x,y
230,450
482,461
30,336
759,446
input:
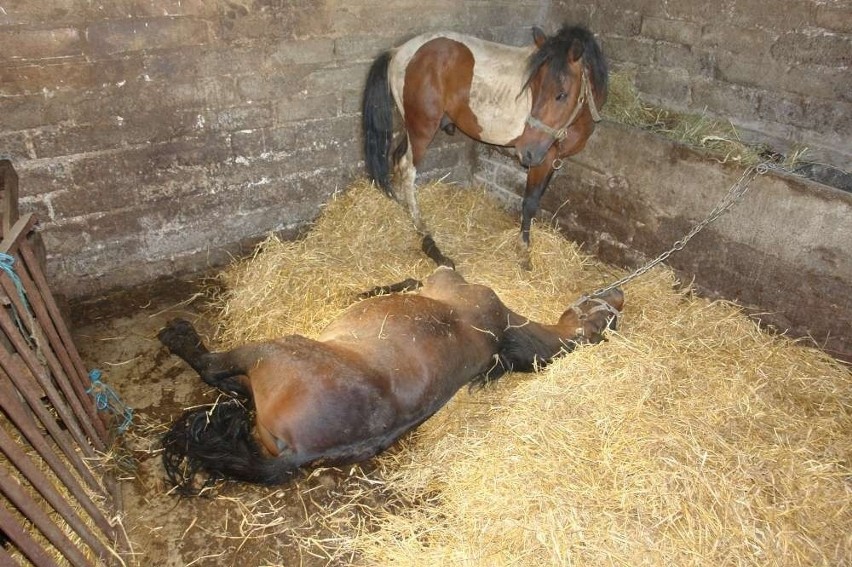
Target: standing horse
x,y
542,100
385,366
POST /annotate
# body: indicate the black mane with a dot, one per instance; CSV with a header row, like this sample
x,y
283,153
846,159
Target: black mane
x,y
554,55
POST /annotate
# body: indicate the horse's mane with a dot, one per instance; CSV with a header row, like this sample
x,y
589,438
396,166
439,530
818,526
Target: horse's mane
x,y
554,53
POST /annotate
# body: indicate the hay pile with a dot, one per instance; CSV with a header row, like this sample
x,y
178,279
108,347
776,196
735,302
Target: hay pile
x,y
691,437
716,136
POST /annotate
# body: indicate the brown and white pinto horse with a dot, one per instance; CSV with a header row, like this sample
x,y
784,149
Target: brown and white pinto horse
x,y
542,100
381,369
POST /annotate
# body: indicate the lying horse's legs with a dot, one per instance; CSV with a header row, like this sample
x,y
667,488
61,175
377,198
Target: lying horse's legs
x,y
408,284
221,370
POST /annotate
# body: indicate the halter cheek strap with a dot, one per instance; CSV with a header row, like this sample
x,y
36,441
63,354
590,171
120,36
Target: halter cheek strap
x,y
601,306
586,96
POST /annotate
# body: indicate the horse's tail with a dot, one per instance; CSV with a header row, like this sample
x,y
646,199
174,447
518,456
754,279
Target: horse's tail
x,y
218,442
378,122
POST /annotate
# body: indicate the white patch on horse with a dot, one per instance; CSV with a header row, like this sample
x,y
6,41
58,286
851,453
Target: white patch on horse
x,y
496,98
399,63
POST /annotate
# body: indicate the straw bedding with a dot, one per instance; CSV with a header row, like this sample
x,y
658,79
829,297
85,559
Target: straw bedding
x,y
690,437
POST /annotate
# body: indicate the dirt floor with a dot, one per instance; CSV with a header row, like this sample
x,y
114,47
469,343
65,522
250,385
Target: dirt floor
x,y
165,529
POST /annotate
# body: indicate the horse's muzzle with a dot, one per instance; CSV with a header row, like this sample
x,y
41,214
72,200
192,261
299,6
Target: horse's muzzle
x,y
533,156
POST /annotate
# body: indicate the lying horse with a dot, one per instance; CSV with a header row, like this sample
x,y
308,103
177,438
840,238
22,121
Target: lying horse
x,y
542,100
381,369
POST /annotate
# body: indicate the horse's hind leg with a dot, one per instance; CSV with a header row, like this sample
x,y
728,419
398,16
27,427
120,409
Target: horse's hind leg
x,y
408,284
406,174
417,149
181,338
217,369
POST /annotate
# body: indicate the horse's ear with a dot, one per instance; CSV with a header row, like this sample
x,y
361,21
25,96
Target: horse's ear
x,y
576,51
539,37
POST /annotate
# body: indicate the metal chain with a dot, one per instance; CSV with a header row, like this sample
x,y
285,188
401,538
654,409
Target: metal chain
x,y
735,193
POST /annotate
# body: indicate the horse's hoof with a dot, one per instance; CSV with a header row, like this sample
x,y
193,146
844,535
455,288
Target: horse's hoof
x,y
431,249
174,331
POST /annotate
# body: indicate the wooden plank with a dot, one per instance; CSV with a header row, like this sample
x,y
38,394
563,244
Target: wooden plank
x,y
34,364
12,370
19,497
55,354
9,189
51,495
35,271
27,426
22,227
23,540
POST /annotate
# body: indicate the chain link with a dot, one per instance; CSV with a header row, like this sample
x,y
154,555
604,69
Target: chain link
x,y
735,193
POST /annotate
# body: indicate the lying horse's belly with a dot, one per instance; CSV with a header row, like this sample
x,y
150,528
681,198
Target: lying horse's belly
x,y
419,345
347,398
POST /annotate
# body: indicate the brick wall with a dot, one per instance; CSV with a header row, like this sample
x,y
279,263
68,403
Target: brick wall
x,y
154,137
780,70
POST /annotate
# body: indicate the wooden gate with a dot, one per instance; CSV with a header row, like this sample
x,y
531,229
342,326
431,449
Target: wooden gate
x,y
56,509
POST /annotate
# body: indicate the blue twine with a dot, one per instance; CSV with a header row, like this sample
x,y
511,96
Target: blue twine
x,y
107,400
7,264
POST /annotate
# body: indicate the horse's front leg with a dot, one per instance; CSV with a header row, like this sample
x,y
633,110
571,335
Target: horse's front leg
x,y
408,284
538,178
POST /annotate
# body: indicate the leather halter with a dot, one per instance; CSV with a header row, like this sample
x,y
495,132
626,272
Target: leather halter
x,y
585,96
602,305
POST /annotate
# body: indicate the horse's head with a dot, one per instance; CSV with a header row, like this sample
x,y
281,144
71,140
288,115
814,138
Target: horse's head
x,y
565,74
591,316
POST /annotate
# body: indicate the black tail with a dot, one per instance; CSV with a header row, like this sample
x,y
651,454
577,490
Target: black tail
x,y
219,443
378,122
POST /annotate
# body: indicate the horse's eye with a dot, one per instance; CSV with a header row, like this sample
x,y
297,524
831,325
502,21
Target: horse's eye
x,y
561,96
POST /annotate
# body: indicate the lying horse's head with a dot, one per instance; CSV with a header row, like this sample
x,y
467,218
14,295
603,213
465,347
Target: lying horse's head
x,y
591,316
566,73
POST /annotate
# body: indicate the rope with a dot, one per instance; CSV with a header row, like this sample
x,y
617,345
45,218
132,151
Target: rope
x,y
107,400
734,194
7,265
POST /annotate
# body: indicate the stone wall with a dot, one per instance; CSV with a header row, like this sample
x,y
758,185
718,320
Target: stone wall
x,y
156,137
780,70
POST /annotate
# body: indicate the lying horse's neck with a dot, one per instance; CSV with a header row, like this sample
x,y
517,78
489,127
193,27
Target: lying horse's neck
x,y
527,345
